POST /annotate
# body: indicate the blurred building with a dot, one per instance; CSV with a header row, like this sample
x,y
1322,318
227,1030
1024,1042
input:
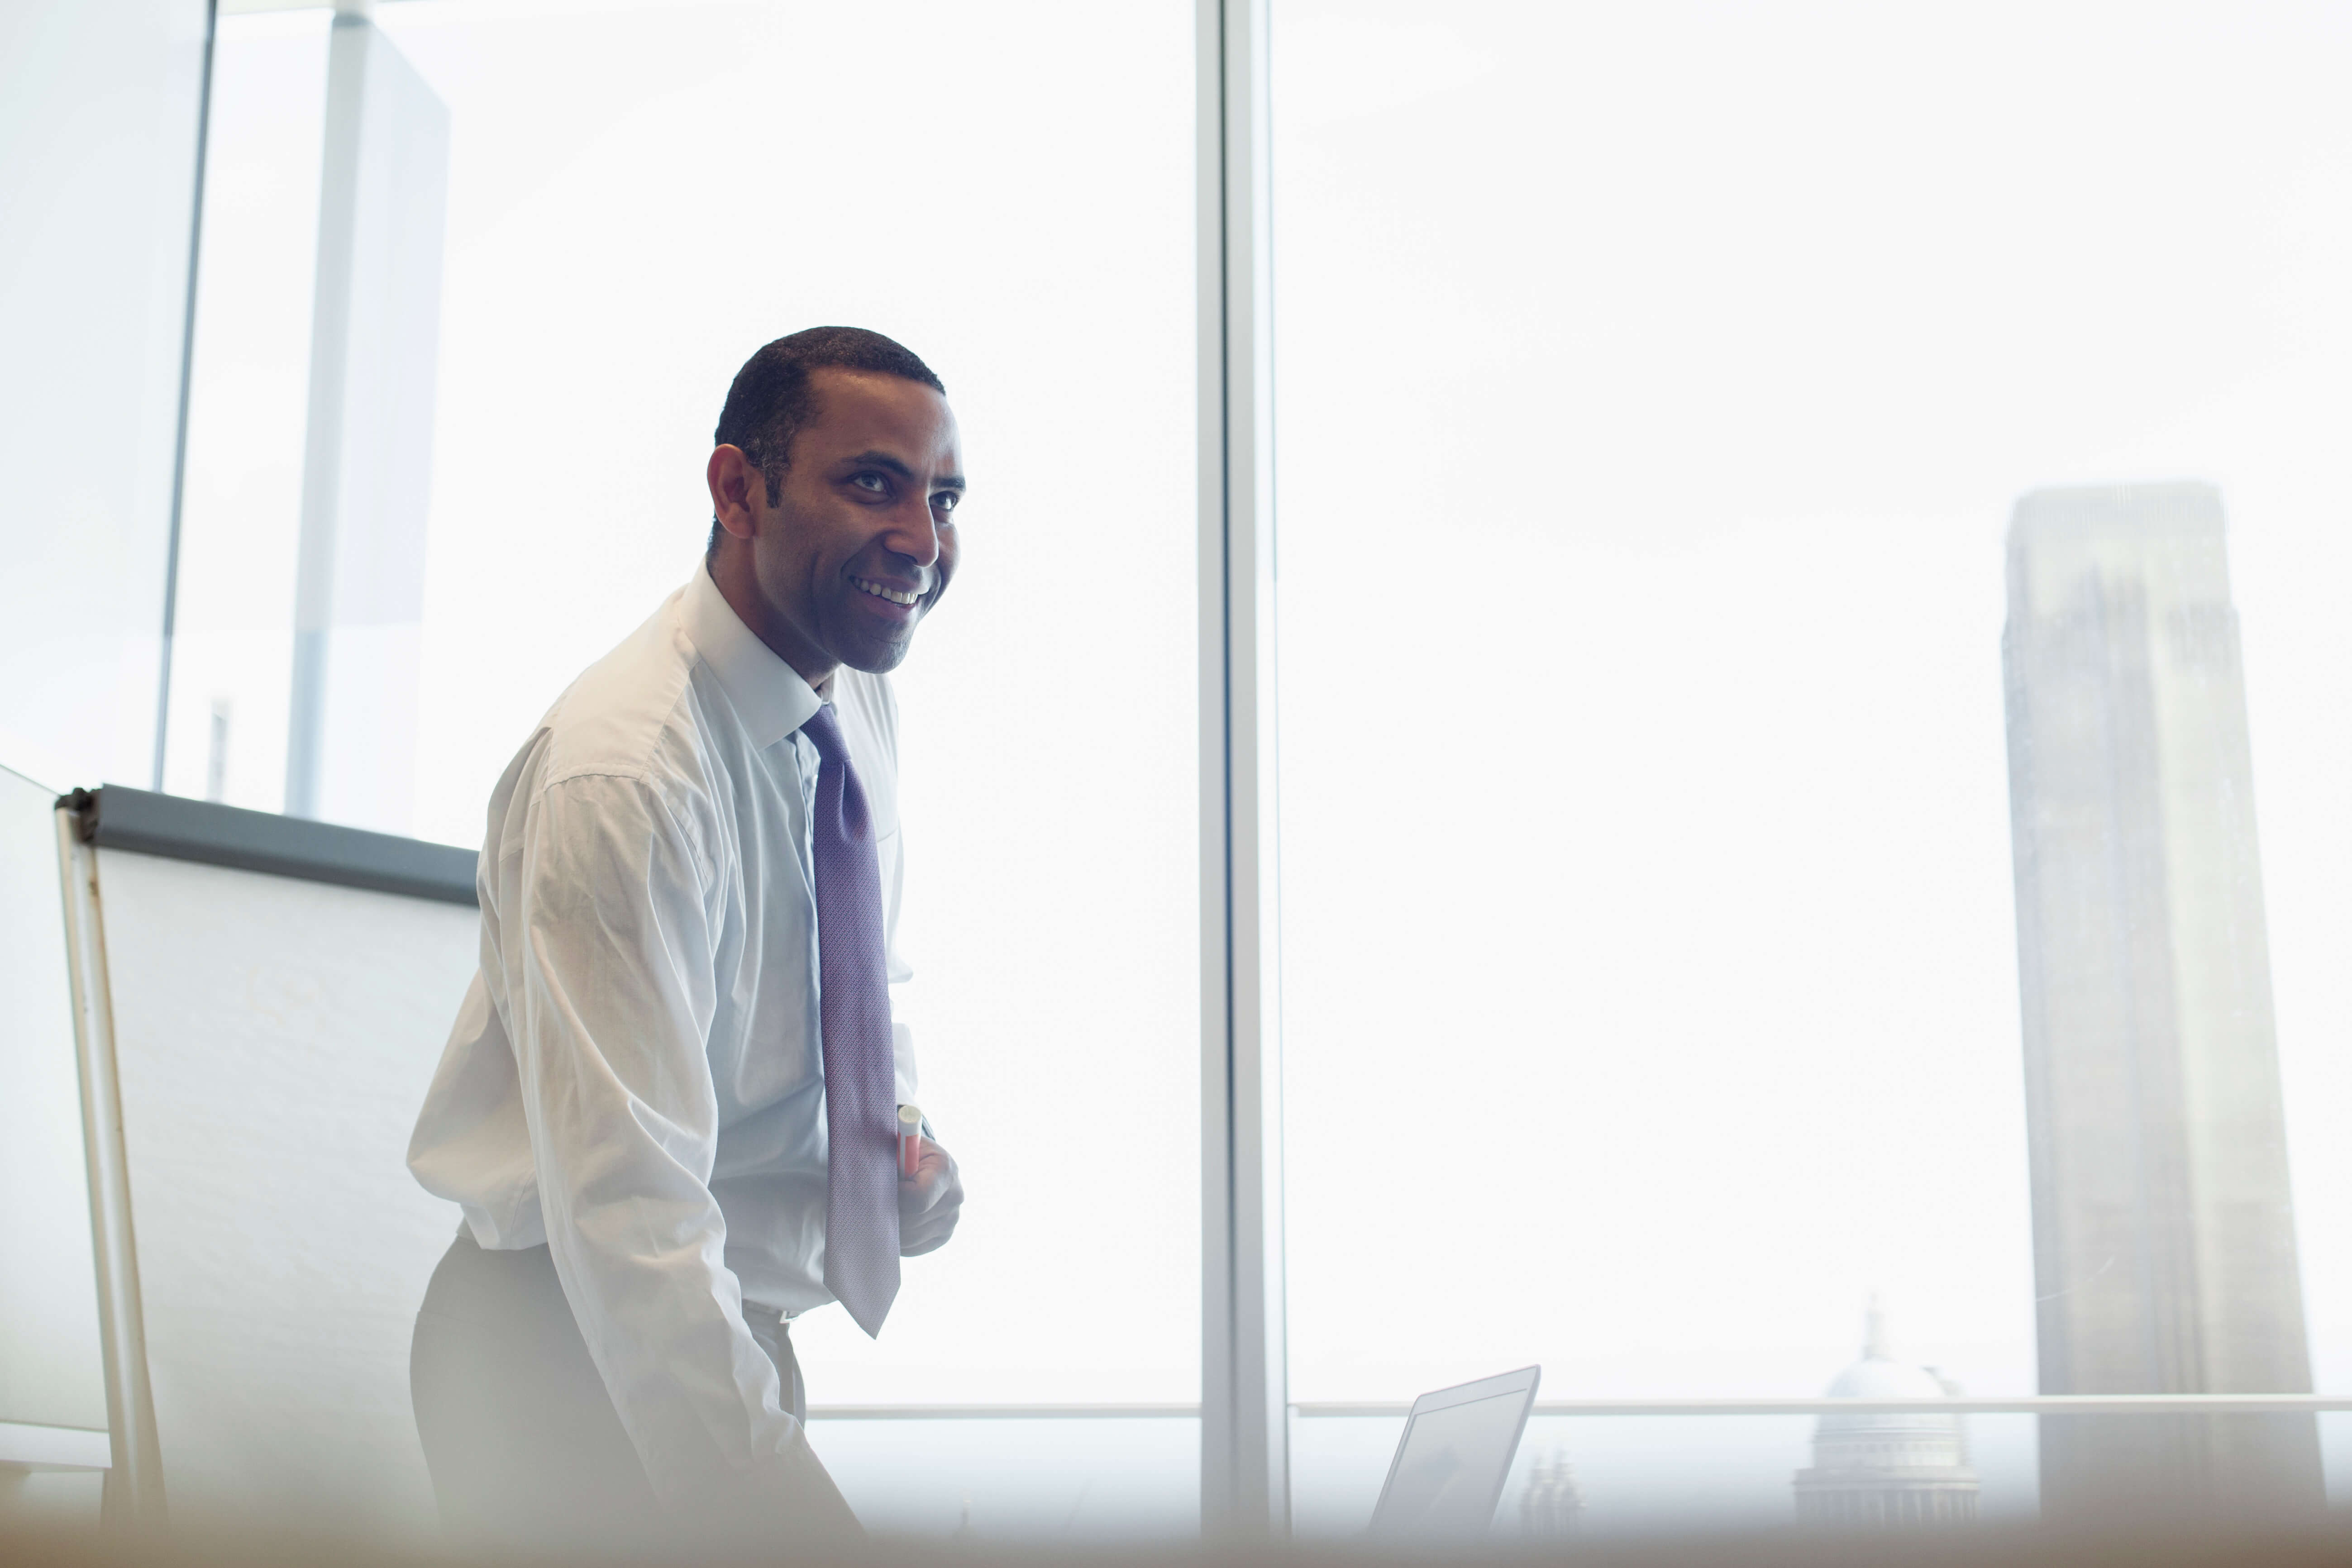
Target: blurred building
x,y
1887,1469
2163,1239
1552,1507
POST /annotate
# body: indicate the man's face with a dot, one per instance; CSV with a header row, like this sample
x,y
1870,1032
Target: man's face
x,y
861,541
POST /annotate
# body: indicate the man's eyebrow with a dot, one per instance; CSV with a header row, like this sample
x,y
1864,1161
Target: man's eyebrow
x,y
879,459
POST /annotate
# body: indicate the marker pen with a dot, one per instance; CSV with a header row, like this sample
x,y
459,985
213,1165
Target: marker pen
x,y
910,1140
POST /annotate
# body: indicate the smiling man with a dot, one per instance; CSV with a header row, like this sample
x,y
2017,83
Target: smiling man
x,y
668,1107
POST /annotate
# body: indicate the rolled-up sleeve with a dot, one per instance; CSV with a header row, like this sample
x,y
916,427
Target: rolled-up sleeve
x,y
610,979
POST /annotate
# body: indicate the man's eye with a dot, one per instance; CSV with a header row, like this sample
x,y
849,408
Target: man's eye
x,y
874,482
947,500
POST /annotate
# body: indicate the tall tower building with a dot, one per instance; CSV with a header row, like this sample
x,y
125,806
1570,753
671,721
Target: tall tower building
x,y
2163,1239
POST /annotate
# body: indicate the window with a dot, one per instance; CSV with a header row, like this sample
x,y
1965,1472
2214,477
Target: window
x,y
1657,389
99,140
633,198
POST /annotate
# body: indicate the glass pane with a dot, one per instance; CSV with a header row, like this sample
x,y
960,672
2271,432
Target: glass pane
x,y
636,197
99,116
1680,406
232,647
1075,1480
1614,1475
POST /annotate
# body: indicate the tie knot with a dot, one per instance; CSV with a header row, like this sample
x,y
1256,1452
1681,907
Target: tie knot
x,y
825,730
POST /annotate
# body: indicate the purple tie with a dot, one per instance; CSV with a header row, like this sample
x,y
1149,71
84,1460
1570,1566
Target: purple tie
x,y
861,1115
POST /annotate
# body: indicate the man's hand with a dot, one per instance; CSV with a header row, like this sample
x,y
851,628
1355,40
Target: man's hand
x,y
930,1202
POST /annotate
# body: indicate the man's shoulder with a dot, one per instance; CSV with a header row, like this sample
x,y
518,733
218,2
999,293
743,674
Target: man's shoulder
x,y
630,714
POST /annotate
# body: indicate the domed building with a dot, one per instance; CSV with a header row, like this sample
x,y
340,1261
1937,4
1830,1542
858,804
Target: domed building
x,y
1884,1469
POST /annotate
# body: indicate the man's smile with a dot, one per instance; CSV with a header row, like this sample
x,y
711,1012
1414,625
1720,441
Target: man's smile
x,y
884,591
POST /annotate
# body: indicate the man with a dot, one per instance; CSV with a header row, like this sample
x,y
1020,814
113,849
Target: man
x,y
669,1104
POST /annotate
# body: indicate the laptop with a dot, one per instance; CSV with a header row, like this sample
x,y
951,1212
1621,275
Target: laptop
x,y
1454,1456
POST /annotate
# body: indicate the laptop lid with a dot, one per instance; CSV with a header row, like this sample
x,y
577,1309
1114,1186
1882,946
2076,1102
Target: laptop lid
x,y
1456,1453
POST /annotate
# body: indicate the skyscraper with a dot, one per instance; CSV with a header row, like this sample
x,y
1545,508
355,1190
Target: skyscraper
x,y
2163,1237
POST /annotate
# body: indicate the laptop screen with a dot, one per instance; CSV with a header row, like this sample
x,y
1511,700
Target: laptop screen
x,y
1449,1470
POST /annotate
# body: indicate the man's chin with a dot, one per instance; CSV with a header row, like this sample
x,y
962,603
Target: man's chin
x,y
880,658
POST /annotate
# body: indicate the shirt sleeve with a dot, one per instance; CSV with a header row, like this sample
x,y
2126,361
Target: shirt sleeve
x,y
614,991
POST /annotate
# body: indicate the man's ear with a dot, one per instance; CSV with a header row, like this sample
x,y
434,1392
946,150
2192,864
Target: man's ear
x,y
731,476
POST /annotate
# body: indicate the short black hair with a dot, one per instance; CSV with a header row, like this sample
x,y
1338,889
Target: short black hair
x,y
772,399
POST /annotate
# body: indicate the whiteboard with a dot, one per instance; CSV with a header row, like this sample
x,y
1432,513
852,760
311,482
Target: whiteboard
x,y
274,1038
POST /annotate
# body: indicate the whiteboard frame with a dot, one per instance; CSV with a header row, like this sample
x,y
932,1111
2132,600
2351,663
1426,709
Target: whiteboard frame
x,y
134,1481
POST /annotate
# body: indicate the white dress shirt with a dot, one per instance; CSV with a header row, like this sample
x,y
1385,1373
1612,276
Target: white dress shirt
x,y
636,1074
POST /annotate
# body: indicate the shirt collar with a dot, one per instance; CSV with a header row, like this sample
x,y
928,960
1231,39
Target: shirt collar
x,y
769,694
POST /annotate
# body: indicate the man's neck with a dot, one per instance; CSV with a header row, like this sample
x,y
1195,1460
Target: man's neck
x,y
737,585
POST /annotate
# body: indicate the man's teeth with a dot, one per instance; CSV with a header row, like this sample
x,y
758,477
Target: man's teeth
x,y
879,592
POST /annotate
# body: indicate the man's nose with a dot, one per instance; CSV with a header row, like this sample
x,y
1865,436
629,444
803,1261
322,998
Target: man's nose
x,y
915,534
